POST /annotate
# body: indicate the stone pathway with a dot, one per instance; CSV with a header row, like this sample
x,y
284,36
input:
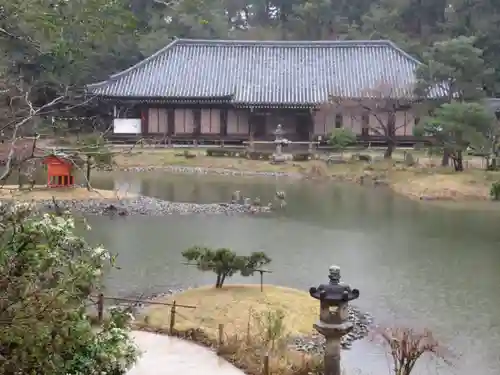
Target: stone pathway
x,y
164,355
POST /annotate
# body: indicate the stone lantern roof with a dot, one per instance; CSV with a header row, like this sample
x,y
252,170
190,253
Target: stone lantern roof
x,y
334,291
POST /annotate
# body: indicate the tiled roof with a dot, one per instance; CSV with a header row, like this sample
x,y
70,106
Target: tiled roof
x,y
265,72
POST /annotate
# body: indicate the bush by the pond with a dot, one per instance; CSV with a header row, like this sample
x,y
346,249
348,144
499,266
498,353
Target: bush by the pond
x,y
341,138
269,338
406,346
495,191
48,274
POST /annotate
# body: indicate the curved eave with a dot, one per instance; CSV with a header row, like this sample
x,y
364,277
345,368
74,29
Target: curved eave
x,y
166,100
275,105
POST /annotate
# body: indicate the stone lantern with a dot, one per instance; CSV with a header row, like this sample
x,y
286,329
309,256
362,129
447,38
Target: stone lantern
x,y
279,140
333,321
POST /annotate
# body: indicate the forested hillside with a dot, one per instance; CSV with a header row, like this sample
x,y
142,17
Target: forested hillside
x,y
52,46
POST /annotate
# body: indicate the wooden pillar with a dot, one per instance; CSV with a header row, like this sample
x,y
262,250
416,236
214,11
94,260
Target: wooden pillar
x,y
311,124
144,120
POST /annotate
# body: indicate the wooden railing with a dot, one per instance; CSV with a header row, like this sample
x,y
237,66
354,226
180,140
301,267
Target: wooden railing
x,y
173,309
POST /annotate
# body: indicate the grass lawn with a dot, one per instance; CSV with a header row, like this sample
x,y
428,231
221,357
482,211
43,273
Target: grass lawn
x,y
167,157
242,308
45,193
237,307
443,184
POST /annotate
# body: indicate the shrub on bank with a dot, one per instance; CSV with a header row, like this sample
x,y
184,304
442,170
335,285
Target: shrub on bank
x,y
268,336
47,274
495,191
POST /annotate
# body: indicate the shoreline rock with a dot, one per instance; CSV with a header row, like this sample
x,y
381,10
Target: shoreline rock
x,y
148,206
178,169
315,343
213,171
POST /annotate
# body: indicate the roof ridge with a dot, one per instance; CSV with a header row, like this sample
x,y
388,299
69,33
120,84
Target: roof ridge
x,y
302,43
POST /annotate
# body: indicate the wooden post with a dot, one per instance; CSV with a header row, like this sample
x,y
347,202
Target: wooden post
x,y
100,307
265,367
221,334
172,318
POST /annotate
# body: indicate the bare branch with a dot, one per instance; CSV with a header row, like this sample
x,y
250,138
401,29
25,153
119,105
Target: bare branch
x,y
21,38
33,112
407,346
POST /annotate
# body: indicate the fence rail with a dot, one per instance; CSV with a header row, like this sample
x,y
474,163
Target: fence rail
x,y
173,306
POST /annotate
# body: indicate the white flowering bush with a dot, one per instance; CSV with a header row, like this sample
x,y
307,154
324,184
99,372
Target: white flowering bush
x,y
47,274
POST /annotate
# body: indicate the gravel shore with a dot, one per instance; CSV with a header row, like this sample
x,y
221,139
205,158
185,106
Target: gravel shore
x,y
212,171
365,179
315,343
148,206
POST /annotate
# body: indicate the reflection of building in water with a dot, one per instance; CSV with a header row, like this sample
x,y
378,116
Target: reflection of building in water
x,y
123,187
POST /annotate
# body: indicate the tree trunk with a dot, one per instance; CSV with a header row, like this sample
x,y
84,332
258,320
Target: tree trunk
x,y
390,149
390,135
87,174
491,161
19,177
445,161
223,278
218,282
458,162
492,164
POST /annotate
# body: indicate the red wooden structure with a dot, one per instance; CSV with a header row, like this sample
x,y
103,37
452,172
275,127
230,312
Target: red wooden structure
x,y
59,171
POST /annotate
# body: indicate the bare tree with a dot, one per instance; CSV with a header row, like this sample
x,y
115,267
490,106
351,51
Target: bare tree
x,y
381,103
24,114
407,346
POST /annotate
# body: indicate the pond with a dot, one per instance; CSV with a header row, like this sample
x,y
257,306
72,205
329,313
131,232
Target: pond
x,y
416,265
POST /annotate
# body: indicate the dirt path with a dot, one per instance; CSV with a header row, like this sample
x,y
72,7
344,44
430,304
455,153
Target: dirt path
x,y
164,355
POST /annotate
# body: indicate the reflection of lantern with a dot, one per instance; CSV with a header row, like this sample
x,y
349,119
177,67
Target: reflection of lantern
x,y
333,317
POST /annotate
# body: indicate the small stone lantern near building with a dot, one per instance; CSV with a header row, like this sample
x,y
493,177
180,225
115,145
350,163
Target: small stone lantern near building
x,y
333,321
279,141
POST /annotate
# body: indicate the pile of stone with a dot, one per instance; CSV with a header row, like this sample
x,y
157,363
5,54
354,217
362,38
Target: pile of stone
x,y
315,343
149,207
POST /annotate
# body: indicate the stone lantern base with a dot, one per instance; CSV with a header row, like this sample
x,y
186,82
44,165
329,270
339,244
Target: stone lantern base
x,y
333,333
278,158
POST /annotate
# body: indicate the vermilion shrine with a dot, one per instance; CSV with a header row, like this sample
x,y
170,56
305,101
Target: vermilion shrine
x,y
59,171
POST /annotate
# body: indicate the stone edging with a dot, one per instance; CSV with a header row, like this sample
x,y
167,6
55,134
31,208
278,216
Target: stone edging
x,y
179,169
146,206
214,171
